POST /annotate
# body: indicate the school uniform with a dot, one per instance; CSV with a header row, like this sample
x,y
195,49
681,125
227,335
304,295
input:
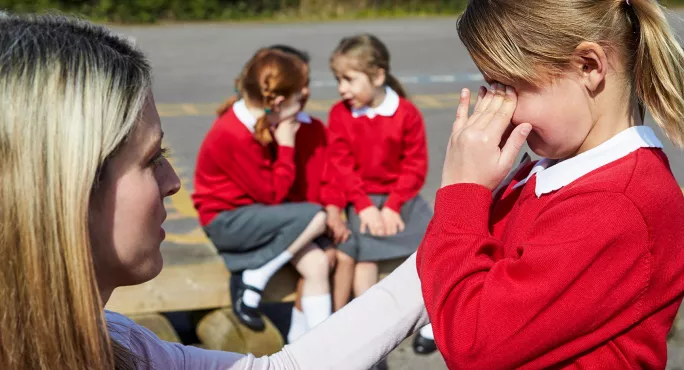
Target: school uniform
x,y
253,200
380,155
573,264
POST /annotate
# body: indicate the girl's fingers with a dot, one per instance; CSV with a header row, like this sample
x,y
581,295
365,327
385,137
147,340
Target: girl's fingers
x,y
501,119
513,146
402,226
462,110
363,227
489,113
481,107
481,92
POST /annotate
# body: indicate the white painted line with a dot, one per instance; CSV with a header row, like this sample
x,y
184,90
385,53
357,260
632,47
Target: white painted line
x,y
443,78
409,79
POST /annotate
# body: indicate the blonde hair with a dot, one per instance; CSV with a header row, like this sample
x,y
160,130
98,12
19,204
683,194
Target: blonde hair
x,y
533,41
369,55
71,94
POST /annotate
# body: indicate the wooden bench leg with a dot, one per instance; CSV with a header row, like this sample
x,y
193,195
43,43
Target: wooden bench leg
x,y
221,330
158,324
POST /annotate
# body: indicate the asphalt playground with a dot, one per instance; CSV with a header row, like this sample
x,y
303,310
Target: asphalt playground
x,y
195,65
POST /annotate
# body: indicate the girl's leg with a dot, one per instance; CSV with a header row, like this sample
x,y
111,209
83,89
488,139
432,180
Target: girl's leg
x,y
258,278
343,280
298,323
312,263
365,276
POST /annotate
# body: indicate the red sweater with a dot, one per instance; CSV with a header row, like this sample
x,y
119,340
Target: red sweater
x,y
589,276
382,155
233,170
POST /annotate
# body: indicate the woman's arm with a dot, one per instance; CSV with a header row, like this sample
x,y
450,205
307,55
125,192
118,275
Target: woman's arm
x,y
367,329
356,337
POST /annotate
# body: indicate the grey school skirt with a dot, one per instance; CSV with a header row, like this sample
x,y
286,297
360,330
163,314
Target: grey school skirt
x,y
250,236
416,214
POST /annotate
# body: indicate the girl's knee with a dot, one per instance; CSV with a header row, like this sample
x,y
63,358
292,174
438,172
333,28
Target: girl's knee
x,y
344,259
319,222
315,265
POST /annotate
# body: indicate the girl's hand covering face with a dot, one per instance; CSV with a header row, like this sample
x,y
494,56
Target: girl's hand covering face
x,y
483,147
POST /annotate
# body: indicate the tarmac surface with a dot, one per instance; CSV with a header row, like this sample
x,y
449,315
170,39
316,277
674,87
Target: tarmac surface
x,y
195,66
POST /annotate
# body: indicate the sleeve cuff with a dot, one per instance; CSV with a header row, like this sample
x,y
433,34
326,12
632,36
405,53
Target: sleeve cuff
x,y
394,203
329,200
286,153
362,203
464,208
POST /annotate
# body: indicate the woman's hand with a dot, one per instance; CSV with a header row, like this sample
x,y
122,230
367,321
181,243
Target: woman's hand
x,y
372,221
392,220
337,228
479,151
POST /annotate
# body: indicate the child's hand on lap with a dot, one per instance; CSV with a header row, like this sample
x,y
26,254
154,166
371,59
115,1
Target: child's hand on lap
x,y
337,228
392,220
476,153
371,220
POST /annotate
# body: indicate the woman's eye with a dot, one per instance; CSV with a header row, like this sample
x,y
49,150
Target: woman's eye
x,y
158,159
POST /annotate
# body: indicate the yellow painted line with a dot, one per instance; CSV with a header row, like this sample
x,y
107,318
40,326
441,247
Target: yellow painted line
x,y
180,207
426,102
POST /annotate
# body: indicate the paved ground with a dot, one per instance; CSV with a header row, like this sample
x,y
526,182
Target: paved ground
x,y
195,66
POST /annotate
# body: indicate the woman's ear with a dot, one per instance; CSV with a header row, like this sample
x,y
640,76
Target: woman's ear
x,y
590,60
380,78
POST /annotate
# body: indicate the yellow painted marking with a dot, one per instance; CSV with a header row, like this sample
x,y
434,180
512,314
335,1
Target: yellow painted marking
x,y
190,109
181,208
427,101
194,237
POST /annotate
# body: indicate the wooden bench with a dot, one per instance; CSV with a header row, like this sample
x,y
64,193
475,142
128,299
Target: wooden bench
x,y
194,277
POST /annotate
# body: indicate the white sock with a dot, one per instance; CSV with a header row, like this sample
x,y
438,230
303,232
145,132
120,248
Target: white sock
x,y
316,308
298,325
259,277
426,332
251,298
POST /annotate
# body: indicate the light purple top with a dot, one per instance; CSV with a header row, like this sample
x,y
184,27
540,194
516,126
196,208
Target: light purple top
x,y
356,337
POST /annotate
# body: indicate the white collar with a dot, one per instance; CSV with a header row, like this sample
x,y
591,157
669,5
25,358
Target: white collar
x,y
553,175
303,117
387,108
242,113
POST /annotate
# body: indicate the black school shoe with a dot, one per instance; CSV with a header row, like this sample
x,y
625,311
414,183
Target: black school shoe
x,y
423,346
249,316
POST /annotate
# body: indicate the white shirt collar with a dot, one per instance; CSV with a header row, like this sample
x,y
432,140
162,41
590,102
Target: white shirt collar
x,y
303,117
247,119
553,175
387,108
243,114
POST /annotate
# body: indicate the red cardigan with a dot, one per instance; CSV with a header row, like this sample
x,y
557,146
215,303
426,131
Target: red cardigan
x,y
233,170
382,155
589,276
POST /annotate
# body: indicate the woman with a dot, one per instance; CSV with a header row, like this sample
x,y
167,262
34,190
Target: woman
x,y
83,181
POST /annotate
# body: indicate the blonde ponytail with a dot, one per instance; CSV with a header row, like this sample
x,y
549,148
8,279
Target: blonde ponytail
x,y
659,69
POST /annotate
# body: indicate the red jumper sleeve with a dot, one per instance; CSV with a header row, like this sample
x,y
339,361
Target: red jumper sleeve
x,y
265,183
341,158
579,273
414,163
